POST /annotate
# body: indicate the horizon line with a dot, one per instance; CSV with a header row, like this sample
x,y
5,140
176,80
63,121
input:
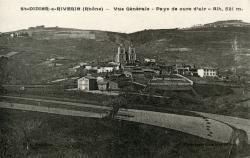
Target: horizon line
x,y
124,32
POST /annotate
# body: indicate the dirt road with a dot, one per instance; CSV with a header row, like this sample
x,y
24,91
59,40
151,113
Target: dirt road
x,y
198,126
240,123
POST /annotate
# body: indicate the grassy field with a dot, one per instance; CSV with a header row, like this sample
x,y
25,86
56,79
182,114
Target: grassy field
x,y
37,135
219,101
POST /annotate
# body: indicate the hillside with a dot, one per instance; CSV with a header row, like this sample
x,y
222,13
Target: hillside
x,y
46,53
212,46
206,45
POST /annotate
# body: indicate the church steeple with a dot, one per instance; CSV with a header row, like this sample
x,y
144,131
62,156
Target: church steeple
x,y
132,54
124,55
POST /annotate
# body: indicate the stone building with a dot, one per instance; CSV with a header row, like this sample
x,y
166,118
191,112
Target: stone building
x,y
87,83
125,56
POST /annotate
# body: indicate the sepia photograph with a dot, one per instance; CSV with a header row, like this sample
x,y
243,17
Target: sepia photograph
x,y
124,79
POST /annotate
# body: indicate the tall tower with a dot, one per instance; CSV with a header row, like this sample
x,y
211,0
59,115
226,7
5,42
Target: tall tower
x,y
131,54
117,57
121,55
125,56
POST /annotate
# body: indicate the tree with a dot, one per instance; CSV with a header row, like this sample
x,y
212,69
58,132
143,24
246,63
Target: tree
x,y
116,104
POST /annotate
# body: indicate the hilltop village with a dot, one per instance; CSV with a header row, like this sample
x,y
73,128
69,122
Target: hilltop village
x,y
126,71
97,63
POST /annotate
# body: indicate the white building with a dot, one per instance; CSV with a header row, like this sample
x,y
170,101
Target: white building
x,y
105,69
147,60
200,72
210,72
88,67
207,72
87,83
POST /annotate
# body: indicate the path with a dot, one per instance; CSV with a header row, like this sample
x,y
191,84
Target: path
x,y
240,123
198,126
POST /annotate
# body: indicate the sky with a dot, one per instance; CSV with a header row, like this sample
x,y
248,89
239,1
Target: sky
x,y
12,18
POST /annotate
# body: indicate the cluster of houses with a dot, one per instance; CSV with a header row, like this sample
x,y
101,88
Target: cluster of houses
x,y
112,76
98,68
89,82
188,70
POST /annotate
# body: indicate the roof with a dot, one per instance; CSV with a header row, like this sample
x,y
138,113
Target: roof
x,y
208,67
87,77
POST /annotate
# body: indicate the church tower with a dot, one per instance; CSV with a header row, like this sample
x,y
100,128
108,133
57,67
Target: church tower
x,y
125,56
121,55
131,54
